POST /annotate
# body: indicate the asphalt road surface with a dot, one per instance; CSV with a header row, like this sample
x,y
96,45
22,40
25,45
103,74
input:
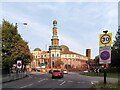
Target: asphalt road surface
x,y
45,81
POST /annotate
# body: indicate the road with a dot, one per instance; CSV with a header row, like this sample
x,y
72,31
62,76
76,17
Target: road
x,y
37,80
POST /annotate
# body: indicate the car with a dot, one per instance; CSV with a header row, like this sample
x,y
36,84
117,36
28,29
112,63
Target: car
x,y
65,71
86,71
34,69
50,71
57,73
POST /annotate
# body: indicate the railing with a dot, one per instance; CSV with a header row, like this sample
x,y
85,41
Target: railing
x,y
13,76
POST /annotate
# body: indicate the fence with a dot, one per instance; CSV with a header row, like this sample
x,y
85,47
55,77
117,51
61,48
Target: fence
x,y
14,76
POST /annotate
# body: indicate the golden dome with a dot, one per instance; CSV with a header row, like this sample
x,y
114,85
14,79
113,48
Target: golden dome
x,y
54,22
64,48
37,49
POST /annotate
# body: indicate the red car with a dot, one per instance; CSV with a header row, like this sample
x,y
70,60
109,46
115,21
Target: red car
x,y
57,73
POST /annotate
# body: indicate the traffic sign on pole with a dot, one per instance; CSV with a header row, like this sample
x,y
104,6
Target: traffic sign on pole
x,y
105,39
19,64
105,55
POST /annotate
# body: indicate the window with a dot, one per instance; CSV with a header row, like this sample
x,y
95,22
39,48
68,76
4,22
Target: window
x,y
65,60
68,60
52,57
65,55
69,55
73,55
72,59
45,55
57,56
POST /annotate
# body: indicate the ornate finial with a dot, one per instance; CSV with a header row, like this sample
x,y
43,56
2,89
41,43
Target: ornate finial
x,y
54,23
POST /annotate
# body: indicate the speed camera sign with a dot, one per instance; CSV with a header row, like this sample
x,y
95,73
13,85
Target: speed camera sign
x,y
105,39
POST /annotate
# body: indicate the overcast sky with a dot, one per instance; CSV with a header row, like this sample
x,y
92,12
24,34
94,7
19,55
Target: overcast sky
x,y
79,23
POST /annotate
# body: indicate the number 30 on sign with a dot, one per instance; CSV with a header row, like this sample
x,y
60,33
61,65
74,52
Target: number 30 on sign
x,y
105,39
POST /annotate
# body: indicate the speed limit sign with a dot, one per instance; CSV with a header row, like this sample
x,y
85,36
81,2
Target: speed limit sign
x,y
105,39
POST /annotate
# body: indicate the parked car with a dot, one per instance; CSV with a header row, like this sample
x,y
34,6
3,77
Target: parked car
x,y
50,71
38,70
65,71
34,69
57,73
86,71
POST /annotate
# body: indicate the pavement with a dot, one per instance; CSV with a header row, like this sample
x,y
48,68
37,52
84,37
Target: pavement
x,y
13,77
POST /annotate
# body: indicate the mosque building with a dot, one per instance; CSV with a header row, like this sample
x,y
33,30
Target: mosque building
x,y
47,59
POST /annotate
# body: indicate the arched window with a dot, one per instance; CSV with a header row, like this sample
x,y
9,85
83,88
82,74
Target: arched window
x,y
52,57
57,56
53,60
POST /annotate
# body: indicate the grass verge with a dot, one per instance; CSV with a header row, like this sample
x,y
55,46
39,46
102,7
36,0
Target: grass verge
x,y
111,75
101,85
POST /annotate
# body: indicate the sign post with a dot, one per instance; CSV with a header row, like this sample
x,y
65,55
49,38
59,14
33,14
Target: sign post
x,y
105,50
19,66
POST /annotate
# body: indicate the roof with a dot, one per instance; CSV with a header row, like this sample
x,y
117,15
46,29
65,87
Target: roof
x,y
70,52
64,48
37,49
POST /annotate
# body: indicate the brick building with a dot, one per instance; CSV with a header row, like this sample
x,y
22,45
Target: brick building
x,y
46,59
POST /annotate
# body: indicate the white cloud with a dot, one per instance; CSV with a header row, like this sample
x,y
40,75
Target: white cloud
x,y
60,1
79,24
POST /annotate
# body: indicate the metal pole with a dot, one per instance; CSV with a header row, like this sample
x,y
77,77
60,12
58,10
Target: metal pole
x,y
105,74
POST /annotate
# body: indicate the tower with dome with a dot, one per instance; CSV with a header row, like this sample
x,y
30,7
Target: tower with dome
x,y
56,52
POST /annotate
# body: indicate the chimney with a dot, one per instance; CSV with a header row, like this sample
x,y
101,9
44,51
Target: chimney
x,y
88,53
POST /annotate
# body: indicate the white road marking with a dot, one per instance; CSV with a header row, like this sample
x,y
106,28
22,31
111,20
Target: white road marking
x,y
52,88
92,82
82,82
46,79
27,85
62,83
43,80
60,80
69,81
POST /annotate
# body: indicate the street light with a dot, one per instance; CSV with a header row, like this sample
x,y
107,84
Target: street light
x,y
21,23
16,24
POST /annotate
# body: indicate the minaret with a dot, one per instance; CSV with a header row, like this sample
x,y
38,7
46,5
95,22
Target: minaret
x,y
54,48
55,40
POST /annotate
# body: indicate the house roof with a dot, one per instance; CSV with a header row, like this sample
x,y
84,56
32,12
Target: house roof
x,y
71,52
37,49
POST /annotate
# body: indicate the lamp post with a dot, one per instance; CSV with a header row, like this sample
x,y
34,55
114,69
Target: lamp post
x,y
16,25
21,23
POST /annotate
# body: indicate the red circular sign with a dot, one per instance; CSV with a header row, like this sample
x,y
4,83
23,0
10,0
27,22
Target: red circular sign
x,y
105,39
105,55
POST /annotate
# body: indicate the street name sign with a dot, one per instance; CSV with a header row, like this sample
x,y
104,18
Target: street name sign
x,y
105,55
19,64
105,39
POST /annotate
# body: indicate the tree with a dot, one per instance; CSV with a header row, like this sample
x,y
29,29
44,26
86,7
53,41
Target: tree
x,y
13,47
116,50
58,63
96,59
22,52
8,33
